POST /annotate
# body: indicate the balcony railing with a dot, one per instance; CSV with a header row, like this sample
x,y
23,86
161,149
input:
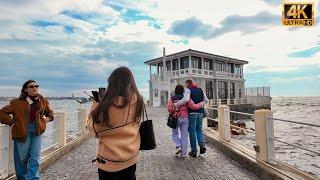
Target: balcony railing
x,y
194,72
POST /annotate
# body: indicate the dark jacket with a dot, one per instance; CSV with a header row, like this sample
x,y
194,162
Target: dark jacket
x,y
196,94
20,111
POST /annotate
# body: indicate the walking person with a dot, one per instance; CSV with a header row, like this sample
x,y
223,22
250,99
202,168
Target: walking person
x,y
116,120
195,93
183,121
30,113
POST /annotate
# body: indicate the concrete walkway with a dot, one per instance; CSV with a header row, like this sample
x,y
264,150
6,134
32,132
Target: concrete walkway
x,y
157,164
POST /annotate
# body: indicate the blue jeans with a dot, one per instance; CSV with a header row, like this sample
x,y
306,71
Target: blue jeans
x,y
27,155
183,140
195,130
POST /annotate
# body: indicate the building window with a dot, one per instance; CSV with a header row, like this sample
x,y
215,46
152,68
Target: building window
x,y
230,68
238,69
168,65
222,90
184,62
209,89
207,64
220,66
196,62
240,92
175,64
156,93
232,91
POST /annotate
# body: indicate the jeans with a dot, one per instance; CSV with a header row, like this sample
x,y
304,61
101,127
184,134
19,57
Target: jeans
x,y
125,174
195,130
183,140
27,155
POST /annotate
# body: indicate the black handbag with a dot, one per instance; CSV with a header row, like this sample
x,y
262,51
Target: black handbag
x,y
173,119
147,138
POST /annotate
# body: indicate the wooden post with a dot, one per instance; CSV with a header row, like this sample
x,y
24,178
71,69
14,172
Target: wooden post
x,y
60,123
264,131
82,116
5,151
224,122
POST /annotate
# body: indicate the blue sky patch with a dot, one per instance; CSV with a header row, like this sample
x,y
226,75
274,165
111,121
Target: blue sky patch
x,y
43,23
305,53
79,15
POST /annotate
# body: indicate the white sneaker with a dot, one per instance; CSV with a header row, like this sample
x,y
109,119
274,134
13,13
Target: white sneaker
x,y
178,150
182,155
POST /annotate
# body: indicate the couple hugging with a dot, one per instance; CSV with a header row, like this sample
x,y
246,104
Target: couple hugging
x,y
187,104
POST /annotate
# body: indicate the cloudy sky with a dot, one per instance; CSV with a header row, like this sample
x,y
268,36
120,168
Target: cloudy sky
x,y
70,45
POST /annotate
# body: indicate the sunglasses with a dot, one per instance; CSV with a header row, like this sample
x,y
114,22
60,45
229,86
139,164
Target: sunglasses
x,y
35,86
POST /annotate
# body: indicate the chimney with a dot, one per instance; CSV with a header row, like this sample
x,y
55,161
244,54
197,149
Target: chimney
x,y
164,62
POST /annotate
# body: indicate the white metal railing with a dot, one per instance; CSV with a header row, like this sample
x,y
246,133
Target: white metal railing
x,y
58,134
291,144
215,102
263,131
195,72
223,74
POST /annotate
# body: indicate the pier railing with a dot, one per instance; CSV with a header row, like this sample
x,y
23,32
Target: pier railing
x,y
263,132
58,135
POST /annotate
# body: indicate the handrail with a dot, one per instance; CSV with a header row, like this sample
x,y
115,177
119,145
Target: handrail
x,y
236,112
284,120
299,147
216,120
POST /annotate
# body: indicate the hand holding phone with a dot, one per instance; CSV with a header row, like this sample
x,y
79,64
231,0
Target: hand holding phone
x,y
95,96
101,92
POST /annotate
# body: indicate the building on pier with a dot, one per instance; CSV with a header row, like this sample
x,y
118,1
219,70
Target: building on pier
x,y
220,77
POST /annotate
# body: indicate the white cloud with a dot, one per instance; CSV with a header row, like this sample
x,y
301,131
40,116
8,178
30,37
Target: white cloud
x,y
102,66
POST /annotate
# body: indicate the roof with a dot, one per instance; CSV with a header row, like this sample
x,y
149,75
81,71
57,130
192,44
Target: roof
x,y
210,55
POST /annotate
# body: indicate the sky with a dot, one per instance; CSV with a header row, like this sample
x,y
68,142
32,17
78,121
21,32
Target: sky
x,y
73,45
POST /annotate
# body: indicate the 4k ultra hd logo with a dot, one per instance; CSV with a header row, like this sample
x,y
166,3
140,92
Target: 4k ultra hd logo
x,y
297,14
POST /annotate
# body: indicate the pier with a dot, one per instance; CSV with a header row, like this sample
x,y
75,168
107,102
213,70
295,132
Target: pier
x,y
70,158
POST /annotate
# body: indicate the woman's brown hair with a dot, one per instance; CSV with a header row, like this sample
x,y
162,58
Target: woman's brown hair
x,y
120,83
24,94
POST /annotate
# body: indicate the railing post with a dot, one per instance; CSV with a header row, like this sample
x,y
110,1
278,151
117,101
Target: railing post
x,y
82,116
224,122
228,101
264,132
60,123
4,151
219,102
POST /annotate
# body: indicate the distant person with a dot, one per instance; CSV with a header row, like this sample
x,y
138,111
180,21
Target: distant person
x,y
116,122
194,92
183,122
30,113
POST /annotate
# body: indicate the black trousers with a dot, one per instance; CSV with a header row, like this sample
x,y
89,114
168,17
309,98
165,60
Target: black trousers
x,y
125,174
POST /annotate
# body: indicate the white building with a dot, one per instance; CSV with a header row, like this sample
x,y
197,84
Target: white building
x,y
220,77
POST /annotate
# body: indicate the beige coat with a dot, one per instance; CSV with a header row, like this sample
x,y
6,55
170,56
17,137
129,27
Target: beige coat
x,y
118,147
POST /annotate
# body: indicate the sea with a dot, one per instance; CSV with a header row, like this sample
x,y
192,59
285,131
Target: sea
x,y
301,109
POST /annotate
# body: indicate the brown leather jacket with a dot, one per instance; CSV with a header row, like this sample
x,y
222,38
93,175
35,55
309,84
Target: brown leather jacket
x,y
20,111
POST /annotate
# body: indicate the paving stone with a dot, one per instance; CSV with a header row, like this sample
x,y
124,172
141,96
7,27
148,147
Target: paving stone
x,y
159,164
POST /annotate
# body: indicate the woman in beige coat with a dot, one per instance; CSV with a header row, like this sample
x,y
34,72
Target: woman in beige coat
x,y
116,121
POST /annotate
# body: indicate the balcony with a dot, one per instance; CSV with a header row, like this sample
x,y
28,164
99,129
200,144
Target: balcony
x,y
191,72
222,74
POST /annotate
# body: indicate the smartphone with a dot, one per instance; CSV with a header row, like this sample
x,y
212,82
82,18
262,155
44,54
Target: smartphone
x,y
95,95
102,90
